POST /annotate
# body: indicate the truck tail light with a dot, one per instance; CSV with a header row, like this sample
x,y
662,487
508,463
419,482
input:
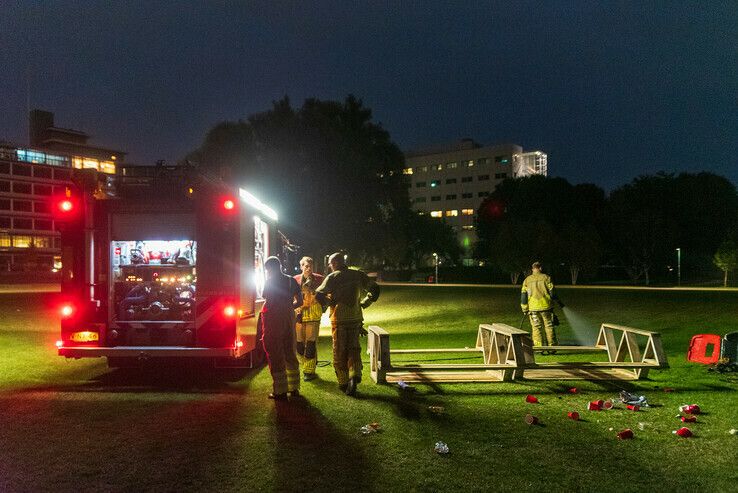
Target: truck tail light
x,y
229,311
66,311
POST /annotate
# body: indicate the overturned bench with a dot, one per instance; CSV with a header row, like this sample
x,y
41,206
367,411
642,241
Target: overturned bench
x,y
507,353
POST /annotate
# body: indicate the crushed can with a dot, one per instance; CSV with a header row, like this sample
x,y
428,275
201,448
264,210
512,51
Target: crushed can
x,y
531,399
626,434
683,432
594,406
633,407
531,420
688,419
573,415
441,448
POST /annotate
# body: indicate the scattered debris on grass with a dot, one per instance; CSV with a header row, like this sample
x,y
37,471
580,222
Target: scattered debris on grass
x,y
595,406
683,432
608,404
633,407
573,390
628,398
405,386
688,419
733,431
531,420
641,426
371,428
531,399
573,415
626,434
441,448
690,409
437,409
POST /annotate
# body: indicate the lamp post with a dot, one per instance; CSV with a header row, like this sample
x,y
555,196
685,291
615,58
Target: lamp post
x,y
435,258
679,266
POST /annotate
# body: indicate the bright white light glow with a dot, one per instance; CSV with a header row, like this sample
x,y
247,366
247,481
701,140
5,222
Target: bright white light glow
x,y
257,204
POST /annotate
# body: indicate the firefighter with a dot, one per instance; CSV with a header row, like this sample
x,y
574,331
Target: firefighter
x,y
308,318
282,296
536,301
347,292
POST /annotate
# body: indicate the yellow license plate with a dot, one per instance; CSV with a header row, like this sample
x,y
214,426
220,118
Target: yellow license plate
x,y
85,336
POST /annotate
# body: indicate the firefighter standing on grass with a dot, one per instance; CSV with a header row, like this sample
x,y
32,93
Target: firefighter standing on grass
x,y
347,292
308,318
282,296
536,301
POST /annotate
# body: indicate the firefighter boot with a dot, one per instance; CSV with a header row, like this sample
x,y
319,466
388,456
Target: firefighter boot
x,y
351,387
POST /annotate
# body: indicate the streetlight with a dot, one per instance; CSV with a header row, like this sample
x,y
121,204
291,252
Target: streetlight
x,y
679,266
435,258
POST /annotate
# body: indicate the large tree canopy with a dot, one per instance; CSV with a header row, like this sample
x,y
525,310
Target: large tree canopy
x,y
333,174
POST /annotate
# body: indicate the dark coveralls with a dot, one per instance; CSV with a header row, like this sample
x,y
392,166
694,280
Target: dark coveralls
x,y
282,295
343,290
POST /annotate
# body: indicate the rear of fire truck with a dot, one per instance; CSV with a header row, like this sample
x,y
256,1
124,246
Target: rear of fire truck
x,y
161,263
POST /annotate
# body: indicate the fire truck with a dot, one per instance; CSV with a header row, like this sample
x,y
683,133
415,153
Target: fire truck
x,y
160,263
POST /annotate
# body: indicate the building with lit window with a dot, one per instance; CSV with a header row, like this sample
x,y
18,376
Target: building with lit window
x,y
450,182
29,177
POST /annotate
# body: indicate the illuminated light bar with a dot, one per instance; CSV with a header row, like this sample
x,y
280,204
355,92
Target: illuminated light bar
x,y
229,311
257,204
229,205
238,344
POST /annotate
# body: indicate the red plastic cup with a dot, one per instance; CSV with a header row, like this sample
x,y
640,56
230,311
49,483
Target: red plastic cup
x,y
608,404
626,434
573,415
594,406
531,420
600,403
689,419
573,390
684,432
633,407
692,409
531,398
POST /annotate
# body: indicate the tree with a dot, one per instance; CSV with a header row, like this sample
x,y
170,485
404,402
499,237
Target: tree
x,y
544,219
726,259
427,235
334,175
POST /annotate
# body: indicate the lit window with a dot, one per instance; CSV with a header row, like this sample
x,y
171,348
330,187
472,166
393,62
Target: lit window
x,y
107,167
467,227
451,165
435,183
467,212
452,213
421,169
468,163
407,171
4,240
421,213
502,160
436,213
22,241
439,167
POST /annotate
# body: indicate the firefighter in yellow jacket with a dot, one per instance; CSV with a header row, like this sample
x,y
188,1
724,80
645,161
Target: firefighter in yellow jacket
x,y
536,301
347,292
308,318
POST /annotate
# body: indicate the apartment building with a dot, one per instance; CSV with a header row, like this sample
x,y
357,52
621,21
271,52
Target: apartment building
x,y
450,182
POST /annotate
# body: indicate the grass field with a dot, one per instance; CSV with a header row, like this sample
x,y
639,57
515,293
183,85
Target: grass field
x,y
75,425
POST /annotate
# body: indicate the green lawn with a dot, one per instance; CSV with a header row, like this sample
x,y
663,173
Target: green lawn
x,y
75,425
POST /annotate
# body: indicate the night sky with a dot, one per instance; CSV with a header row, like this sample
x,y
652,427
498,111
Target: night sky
x,y
610,90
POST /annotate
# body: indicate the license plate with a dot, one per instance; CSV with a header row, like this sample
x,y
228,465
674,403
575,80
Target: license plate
x,y
85,336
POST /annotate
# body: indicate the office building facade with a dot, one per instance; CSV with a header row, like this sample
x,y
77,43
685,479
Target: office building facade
x,y
449,183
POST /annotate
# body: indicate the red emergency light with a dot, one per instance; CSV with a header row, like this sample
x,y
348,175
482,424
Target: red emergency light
x,y
229,205
66,206
229,311
66,311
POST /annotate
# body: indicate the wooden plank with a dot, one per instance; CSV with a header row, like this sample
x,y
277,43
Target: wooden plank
x,y
445,350
429,378
607,334
570,348
580,374
584,364
624,328
503,328
450,367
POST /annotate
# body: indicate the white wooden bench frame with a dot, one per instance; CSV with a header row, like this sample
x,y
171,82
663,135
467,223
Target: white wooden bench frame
x,y
508,354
